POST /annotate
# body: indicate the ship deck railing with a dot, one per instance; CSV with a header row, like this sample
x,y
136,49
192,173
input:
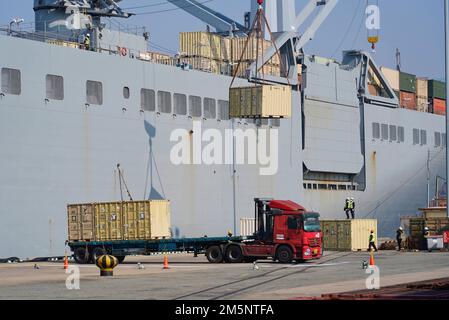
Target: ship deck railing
x,y
55,38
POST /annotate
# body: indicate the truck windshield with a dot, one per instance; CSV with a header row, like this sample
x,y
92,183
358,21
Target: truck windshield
x,y
312,222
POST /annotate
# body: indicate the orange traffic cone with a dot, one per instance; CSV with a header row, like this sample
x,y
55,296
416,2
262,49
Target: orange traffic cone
x,y
166,262
66,262
371,258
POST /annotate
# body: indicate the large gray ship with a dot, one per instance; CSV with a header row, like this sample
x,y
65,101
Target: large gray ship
x,y
67,118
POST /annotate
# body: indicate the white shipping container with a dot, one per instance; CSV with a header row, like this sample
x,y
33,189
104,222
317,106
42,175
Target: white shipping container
x,y
247,226
392,77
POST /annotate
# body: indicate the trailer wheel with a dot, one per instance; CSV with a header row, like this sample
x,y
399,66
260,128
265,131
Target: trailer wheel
x,y
97,253
214,254
121,259
284,254
81,255
234,254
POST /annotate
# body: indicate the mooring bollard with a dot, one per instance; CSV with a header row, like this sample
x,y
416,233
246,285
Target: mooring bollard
x,y
106,263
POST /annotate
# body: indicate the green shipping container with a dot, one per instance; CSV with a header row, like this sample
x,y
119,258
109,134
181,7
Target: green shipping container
x,y
436,89
407,82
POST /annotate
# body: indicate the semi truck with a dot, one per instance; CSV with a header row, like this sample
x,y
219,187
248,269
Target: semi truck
x,y
285,231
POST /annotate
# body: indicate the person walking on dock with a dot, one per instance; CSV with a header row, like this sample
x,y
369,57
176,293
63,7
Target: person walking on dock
x,y
372,241
399,234
349,207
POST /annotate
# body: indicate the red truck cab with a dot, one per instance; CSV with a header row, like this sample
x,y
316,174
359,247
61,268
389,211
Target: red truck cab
x,y
285,231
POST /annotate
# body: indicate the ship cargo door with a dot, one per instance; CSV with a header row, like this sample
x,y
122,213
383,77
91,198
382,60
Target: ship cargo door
x,y
332,140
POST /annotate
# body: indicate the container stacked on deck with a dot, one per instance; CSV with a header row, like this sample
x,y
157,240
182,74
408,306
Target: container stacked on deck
x,y
156,57
407,90
213,53
437,96
128,220
422,97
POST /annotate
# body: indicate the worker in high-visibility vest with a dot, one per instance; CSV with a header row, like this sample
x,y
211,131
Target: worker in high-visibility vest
x,y
87,42
349,207
372,241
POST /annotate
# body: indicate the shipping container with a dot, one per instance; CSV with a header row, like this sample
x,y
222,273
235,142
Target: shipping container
x,y
253,49
392,77
128,220
261,101
436,89
422,104
247,226
267,69
422,88
407,82
347,235
407,100
438,106
153,56
205,44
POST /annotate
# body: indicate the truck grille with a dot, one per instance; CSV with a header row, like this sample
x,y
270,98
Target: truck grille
x,y
314,242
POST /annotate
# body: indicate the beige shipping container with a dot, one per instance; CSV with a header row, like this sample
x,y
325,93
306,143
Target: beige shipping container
x,y
347,235
392,77
205,44
261,101
247,226
267,69
129,220
422,99
253,49
422,104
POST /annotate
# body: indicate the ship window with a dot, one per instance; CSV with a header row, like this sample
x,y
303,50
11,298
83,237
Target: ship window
x,y
443,140
393,133
376,130
275,122
126,93
210,109
223,110
401,135
264,122
341,187
55,87
147,100
11,83
194,106
94,92
415,136
180,103
384,131
164,101
437,139
423,137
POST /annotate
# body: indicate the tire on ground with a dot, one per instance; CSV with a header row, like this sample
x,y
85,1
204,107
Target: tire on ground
x,y
284,254
96,253
81,255
214,254
234,254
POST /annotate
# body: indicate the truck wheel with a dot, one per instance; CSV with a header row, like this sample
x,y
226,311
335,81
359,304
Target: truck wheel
x,y
214,254
234,254
284,254
97,253
121,259
81,255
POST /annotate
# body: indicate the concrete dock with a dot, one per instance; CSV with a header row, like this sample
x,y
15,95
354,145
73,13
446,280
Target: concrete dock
x,y
195,278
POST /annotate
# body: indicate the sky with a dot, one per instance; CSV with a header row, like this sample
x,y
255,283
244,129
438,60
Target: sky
x,y
416,27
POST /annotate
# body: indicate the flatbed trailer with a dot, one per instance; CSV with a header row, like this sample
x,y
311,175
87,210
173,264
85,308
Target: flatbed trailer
x,y
88,251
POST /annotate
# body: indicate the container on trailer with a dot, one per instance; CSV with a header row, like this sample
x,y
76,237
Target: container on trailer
x,y
128,220
392,77
407,82
407,100
436,89
435,242
261,101
347,235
